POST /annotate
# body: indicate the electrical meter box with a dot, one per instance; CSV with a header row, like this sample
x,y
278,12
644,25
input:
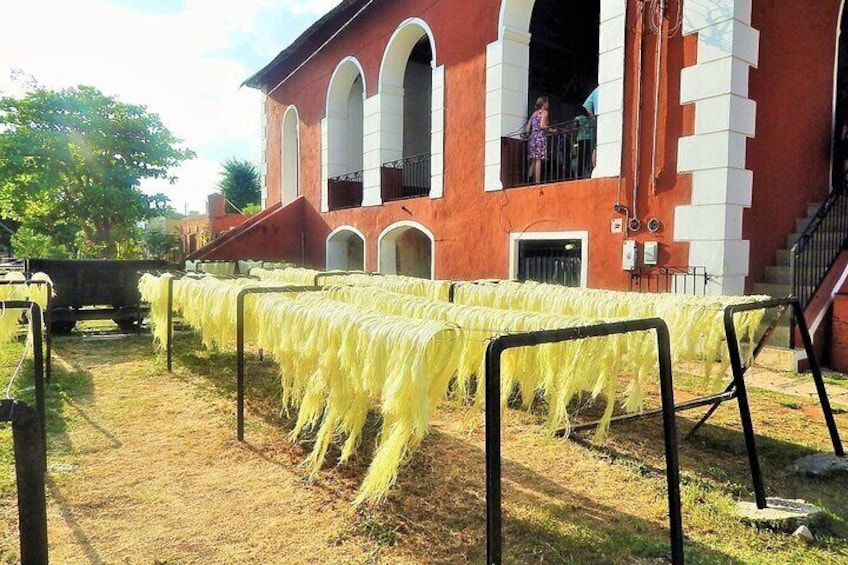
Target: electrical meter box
x,y
629,255
651,251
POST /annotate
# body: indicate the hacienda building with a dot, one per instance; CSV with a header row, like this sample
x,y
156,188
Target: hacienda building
x,y
393,143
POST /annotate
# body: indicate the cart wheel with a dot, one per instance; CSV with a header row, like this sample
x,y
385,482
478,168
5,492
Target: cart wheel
x,y
127,324
128,319
62,320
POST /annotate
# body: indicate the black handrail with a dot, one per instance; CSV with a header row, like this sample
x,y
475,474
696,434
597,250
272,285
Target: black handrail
x,y
406,178
677,280
345,191
569,154
817,248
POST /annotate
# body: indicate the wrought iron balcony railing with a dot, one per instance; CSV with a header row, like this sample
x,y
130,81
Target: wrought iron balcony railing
x,y
405,178
569,154
345,191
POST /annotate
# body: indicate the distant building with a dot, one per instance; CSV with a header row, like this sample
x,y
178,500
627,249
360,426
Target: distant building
x,y
198,230
393,142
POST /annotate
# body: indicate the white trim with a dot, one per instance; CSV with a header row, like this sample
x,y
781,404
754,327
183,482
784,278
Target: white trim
x,y
336,123
390,101
351,230
288,195
263,162
402,227
390,45
507,64
725,117
581,235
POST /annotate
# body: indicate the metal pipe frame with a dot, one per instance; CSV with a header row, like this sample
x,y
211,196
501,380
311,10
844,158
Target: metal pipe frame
x,y
742,393
240,342
30,467
494,510
170,322
48,318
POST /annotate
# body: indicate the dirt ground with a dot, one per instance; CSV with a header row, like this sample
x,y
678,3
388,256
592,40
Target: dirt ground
x,y
145,469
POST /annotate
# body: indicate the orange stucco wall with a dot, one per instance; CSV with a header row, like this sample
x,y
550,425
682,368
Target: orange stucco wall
x,y
472,227
793,88
790,155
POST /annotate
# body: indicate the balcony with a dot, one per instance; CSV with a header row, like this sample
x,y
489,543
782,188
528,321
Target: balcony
x,y
345,191
569,154
405,178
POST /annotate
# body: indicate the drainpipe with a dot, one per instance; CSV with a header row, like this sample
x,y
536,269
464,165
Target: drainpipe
x,y
640,33
663,7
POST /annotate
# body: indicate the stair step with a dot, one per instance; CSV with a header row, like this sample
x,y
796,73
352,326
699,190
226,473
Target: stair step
x,y
774,290
802,223
778,275
781,274
813,207
780,335
832,236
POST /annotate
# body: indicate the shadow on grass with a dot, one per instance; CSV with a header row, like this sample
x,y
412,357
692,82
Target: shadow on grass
x,y
440,510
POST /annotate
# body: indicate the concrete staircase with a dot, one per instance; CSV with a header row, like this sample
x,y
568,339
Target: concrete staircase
x,y
777,281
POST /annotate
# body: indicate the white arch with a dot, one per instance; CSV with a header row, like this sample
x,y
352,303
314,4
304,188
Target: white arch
x,y
398,49
386,251
390,101
342,78
337,248
507,67
342,129
290,155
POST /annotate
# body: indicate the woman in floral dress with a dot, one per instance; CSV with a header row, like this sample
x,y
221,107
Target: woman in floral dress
x,y
537,146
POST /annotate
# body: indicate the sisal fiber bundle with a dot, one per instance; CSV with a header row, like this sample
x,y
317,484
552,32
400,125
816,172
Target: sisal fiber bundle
x,y
321,346
290,275
696,323
560,372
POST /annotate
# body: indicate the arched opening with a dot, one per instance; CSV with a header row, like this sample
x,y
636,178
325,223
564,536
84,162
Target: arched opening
x,y
406,104
291,156
562,50
344,136
346,250
406,249
840,129
563,55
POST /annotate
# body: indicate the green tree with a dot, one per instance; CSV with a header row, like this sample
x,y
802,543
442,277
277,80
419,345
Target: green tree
x,y
160,243
71,161
240,184
27,243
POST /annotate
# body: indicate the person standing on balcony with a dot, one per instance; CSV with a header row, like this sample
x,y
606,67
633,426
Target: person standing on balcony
x,y
537,142
591,106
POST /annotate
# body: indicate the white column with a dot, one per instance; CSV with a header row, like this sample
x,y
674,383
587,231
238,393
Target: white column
x,y
371,152
263,159
715,154
325,164
437,135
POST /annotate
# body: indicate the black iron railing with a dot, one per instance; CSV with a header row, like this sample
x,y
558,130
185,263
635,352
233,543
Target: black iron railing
x,y
677,280
818,246
405,178
569,154
345,191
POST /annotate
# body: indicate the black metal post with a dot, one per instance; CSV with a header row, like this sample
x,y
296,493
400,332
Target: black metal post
x,y
744,408
817,377
170,322
494,517
240,342
48,333
30,455
38,372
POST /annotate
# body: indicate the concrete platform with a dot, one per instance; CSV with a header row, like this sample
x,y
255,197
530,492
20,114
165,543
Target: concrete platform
x,y
780,514
821,465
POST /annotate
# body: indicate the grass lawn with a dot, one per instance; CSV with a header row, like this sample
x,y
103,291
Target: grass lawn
x,y
144,468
